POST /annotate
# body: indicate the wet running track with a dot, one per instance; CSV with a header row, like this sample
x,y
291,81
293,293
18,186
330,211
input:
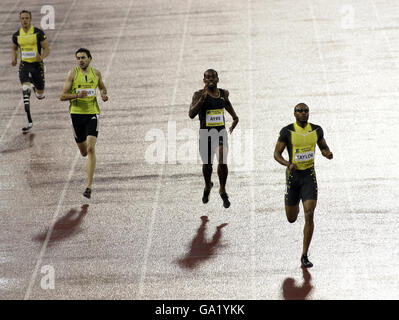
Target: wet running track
x,y
143,234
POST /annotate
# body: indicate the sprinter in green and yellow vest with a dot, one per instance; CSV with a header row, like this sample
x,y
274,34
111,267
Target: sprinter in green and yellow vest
x,y
80,88
32,46
300,139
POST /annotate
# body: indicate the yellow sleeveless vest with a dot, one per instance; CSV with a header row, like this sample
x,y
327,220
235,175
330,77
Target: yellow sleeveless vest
x,y
28,44
85,82
303,146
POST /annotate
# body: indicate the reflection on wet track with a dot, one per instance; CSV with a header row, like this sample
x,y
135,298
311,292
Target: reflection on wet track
x,y
140,236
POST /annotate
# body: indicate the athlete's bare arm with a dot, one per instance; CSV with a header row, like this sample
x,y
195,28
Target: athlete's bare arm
x,y
46,51
197,102
325,150
229,108
66,91
101,86
14,54
278,156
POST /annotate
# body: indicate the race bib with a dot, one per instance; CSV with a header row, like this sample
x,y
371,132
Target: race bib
x,y
90,92
304,156
214,118
28,54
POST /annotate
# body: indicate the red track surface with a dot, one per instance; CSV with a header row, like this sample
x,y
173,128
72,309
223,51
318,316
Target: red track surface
x,y
141,235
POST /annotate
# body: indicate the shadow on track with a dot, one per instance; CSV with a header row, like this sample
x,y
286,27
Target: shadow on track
x,y
65,227
200,249
293,292
19,143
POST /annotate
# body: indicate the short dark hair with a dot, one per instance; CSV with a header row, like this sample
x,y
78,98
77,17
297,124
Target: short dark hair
x,y
211,70
26,11
84,51
301,104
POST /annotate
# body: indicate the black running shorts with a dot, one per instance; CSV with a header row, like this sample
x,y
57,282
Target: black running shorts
x,y
32,72
84,125
301,184
209,141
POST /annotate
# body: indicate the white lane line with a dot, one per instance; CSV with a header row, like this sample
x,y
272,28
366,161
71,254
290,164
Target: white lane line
x,y
162,169
44,247
382,28
11,11
143,272
251,166
320,52
18,106
344,168
116,43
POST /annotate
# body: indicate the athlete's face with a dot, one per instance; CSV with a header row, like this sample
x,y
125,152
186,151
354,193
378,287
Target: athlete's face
x,y
25,20
83,60
211,79
301,114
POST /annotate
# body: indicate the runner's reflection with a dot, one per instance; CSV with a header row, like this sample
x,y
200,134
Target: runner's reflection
x,y
293,292
200,249
65,227
19,143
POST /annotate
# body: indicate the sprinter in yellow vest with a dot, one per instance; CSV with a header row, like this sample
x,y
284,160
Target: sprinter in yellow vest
x,y
30,41
300,139
80,89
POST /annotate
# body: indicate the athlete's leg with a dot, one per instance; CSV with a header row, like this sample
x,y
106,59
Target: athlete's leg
x,y
207,173
26,91
78,124
207,156
39,93
207,160
38,81
291,197
223,170
24,78
292,212
308,207
91,159
222,173
83,148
